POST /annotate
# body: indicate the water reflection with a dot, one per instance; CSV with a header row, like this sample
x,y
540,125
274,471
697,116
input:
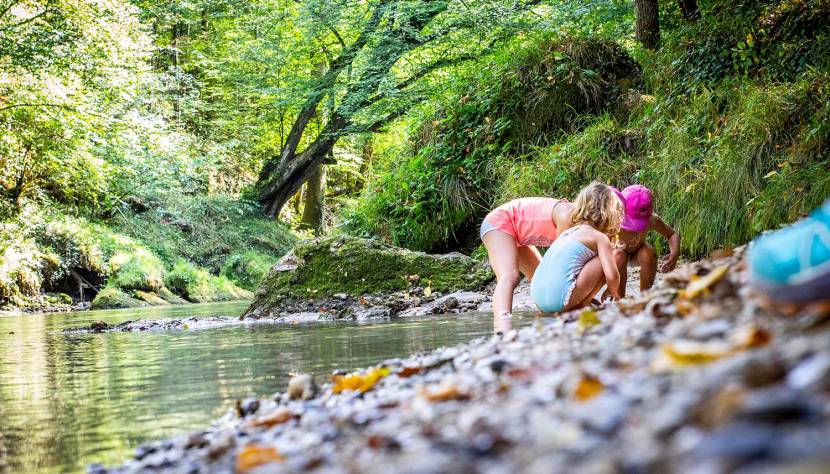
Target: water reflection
x,y
70,399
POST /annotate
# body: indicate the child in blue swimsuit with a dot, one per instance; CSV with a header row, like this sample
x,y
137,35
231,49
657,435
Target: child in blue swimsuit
x,y
581,259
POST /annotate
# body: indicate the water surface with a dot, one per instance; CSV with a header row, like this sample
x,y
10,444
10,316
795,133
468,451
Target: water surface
x,y
67,400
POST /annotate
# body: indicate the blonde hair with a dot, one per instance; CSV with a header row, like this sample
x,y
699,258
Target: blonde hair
x,y
598,205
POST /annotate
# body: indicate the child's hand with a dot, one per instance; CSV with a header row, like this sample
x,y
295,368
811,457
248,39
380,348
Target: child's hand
x,y
668,264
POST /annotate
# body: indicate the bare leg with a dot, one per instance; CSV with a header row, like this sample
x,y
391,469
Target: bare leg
x,y
588,283
529,259
647,258
504,257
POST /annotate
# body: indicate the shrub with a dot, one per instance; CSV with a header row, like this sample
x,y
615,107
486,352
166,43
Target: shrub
x,y
247,269
198,286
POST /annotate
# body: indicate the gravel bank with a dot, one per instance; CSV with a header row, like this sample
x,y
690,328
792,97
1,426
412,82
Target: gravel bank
x,y
664,383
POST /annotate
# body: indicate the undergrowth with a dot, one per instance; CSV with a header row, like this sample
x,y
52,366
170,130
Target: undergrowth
x,y
429,198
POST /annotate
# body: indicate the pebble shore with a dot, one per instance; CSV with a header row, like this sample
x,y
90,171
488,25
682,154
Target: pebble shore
x,y
689,377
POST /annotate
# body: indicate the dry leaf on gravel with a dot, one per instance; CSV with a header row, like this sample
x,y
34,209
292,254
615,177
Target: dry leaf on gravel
x,y
253,456
408,372
682,354
751,337
277,418
587,388
358,382
697,287
445,394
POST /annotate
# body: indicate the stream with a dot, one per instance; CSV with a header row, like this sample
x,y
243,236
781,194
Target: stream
x,y
67,400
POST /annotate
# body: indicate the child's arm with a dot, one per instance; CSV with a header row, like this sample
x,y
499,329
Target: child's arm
x,y
609,266
674,242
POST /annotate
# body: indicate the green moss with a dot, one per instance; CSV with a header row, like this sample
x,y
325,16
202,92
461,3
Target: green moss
x,y
113,298
58,299
197,285
247,269
357,266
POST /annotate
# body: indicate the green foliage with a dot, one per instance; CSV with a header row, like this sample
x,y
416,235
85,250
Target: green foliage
x,y
198,286
138,270
544,88
95,248
23,268
248,268
769,40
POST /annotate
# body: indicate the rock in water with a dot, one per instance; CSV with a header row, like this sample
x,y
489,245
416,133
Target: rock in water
x,y
320,273
301,387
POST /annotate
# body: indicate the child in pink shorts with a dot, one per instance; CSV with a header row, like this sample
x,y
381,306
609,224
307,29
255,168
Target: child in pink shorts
x,y
511,233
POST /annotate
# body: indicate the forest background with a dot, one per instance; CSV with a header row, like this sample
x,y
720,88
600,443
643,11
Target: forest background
x,y
157,152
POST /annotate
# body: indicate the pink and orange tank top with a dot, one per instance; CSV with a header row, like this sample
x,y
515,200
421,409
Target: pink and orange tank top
x,y
528,220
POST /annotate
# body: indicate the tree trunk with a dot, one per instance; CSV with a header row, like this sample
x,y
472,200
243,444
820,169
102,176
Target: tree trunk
x,y
314,201
647,27
690,9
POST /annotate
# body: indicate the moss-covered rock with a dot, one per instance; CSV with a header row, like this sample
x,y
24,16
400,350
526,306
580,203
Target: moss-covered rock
x,y
351,267
113,298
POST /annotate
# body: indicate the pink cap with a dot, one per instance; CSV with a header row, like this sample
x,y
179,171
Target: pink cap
x,y
639,205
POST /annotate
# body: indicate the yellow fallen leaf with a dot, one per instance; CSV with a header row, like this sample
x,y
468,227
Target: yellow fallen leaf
x,y
359,382
588,388
588,319
253,456
698,286
681,354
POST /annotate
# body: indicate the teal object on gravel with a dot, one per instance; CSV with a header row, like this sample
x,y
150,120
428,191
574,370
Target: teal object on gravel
x,y
793,264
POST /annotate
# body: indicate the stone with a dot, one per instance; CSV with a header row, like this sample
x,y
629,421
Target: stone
x,y
316,270
301,387
812,372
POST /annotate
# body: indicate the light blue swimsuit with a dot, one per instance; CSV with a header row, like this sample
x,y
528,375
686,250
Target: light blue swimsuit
x,y
555,279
